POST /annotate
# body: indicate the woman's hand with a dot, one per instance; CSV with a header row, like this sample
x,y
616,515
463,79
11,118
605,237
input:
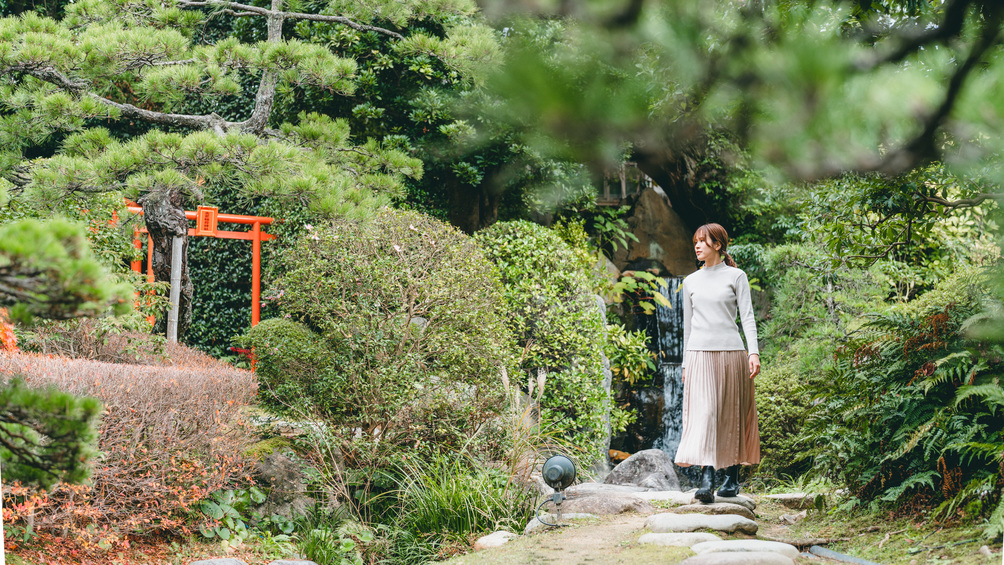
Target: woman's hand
x,y
683,374
754,365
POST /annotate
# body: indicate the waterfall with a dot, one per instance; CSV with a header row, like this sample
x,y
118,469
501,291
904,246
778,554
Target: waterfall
x,y
659,404
665,329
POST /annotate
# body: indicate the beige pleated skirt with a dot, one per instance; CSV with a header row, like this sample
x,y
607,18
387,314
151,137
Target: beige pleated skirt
x,y
719,413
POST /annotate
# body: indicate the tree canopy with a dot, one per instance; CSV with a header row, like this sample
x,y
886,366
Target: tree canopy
x,y
811,89
101,101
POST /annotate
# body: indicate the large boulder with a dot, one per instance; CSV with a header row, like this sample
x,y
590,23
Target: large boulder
x,y
651,469
663,239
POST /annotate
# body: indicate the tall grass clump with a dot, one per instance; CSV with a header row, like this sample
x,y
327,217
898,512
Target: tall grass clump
x,y
447,500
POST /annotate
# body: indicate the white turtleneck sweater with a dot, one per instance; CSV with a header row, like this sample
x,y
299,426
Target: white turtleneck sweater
x,y
711,298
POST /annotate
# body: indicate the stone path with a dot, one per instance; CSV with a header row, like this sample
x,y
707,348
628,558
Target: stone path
x,y
726,515
686,523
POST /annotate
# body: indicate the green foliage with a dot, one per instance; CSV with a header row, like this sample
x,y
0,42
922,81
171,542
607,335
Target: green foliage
x,y
46,436
912,403
323,542
391,332
228,514
559,325
783,404
642,289
811,307
630,358
901,224
49,271
453,497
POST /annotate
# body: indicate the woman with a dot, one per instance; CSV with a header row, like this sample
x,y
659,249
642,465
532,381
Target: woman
x,y
719,415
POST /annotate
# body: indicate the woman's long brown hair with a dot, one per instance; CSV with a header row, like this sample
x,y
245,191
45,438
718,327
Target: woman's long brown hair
x,y
717,234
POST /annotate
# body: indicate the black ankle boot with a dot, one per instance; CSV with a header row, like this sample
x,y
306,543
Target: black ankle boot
x,y
730,487
706,493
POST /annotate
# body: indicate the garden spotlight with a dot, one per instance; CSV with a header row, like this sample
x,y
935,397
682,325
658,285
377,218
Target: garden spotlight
x,y
559,473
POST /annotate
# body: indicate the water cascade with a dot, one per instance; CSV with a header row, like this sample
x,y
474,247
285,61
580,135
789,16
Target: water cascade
x,y
659,403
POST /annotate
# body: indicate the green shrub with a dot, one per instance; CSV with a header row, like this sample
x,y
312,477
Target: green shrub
x,y
392,334
558,325
783,404
912,404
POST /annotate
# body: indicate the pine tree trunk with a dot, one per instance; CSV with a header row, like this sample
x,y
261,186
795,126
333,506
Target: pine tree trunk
x,y
164,215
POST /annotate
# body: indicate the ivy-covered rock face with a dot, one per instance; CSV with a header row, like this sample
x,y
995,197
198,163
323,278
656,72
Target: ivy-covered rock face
x,y
391,332
557,325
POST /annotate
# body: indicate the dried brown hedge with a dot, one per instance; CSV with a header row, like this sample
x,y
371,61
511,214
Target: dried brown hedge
x,y
169,436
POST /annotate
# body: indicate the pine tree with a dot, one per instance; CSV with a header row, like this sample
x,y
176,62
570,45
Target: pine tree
x,y
111,65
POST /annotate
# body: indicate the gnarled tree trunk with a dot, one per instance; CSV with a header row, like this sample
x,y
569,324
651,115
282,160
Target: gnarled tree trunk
x,y
164,214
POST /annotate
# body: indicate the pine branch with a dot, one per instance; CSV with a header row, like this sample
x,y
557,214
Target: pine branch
x,y
951,26
233,7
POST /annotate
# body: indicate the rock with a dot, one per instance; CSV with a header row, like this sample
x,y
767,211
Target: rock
x,y
793,518
495,539
222,561
592,488
741,500
668,522
682,539
715,508
747,545
796,500
292,562
535,524
746,558
603,504
607,269
286,484
985,551
650,468
536,482
663,237
674,497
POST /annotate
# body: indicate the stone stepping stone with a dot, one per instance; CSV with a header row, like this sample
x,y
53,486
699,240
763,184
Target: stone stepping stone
x,y
795,500
741,500
683,539
746,545
669,522
672,496
715,508
743,558
592,488
535,524
494,539
604,503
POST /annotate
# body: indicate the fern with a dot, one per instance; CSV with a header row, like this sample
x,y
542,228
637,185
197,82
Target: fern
x,y
974,490
925,479
994,527
991,393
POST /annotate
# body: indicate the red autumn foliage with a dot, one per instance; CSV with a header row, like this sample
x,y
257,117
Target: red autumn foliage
x,y
169,436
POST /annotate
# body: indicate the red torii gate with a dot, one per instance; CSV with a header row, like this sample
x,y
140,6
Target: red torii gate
x,y
207,218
